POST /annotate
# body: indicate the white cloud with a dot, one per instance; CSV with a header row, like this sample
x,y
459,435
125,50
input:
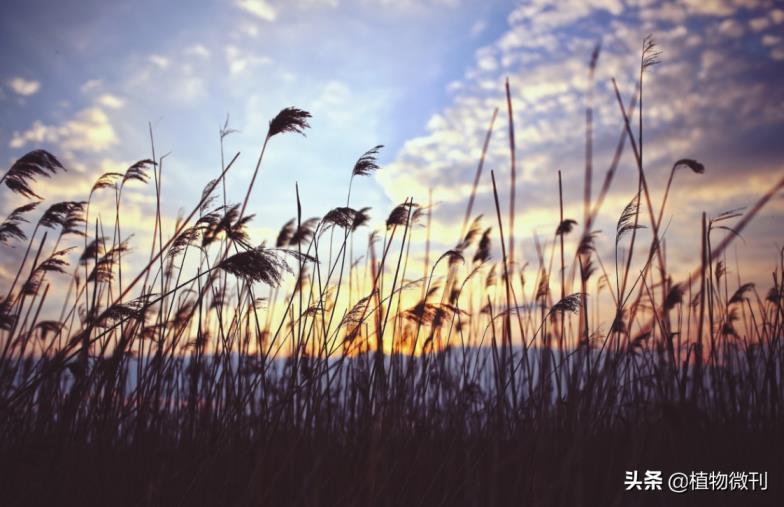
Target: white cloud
x,y
318,3
478,27
197,50
335,94
486,59
22,86
259,8
111,101
159,61
731,28
91,85
38,133
89,131
710,7
240,61
186,81
342,107
412,4
544,51
759,24
546,15
668,11
191,89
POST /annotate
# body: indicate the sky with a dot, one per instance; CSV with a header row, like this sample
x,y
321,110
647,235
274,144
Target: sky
x,y
85,79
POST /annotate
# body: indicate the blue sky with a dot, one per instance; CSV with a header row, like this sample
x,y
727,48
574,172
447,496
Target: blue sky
x,y
370,74
83,79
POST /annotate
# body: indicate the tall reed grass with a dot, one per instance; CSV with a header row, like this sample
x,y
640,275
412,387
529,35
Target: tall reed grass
x,y
224,372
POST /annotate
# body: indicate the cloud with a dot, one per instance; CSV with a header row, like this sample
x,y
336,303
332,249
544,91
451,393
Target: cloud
x,y
412,4
545,15
759,24
110,101
710,7
197,50
259,8
478,27
159,61
88,131
23,87
709,99
486,59
667,11
335,94
313,3
240,61
731,28
185,78
91,85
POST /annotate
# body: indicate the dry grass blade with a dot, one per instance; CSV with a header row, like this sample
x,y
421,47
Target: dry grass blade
x,y
587,243
674,297
367,163
696,167
304,232
627,222
7,317
357,312
651,54
227,221
290,119
565,227
257,265
183,240
55,263
430,313
342,216
361,218
399,215
285,234
453,256
138,171
93,249
470,236
225,130
597,49
106,180
135,310
26,169
10,228
69,215
208,195
103,271
478,175
49,327
482,254
570,303
740,294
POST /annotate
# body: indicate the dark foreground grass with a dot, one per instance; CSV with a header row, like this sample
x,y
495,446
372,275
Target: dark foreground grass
x,y
570,467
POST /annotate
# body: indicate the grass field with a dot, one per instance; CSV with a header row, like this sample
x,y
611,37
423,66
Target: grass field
x,y
335,368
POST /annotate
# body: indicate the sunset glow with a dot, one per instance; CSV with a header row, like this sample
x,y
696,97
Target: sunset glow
x,y
312,241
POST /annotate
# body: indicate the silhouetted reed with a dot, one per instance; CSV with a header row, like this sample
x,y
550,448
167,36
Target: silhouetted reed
x,y
386,378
